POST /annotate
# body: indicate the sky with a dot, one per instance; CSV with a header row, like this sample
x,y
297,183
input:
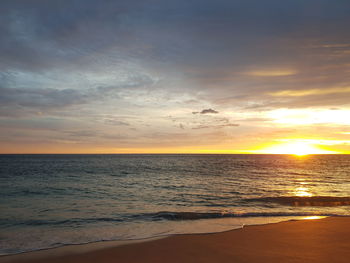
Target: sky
x,y
164,76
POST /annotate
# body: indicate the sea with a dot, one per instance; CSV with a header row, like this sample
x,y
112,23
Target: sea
x,y
50,201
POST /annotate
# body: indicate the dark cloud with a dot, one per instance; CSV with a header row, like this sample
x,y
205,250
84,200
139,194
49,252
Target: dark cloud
x,y
210,42
88,59
116,122
40,99
206,111
37,123
209,111
25,97
37,34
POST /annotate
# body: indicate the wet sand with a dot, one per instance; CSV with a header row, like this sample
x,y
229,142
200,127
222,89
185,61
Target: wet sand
x,y
322,240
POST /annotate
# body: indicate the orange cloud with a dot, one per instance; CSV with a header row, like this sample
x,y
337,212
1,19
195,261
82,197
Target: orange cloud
x,y
272,72
300,93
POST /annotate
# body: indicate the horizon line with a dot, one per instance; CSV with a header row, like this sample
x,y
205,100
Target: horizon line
x,y
177,153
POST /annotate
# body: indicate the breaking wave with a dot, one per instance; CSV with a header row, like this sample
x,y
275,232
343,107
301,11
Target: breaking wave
x,y
213,215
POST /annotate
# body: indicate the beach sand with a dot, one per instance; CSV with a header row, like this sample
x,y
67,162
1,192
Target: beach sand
x,y
322,240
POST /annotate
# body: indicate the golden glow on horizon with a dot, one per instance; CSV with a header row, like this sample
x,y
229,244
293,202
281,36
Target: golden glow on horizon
x,y
209,150
299,148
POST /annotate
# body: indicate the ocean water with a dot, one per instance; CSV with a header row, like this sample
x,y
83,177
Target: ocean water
x,y
53,200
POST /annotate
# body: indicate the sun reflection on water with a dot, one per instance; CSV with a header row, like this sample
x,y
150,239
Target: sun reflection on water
x,y
302,192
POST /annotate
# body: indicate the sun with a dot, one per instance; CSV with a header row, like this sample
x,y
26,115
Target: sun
x,y
299,148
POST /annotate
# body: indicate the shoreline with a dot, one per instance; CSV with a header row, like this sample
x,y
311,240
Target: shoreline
x,y
248,221
221,244
72,249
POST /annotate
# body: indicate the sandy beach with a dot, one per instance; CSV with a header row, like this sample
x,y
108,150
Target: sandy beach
x,y
322,240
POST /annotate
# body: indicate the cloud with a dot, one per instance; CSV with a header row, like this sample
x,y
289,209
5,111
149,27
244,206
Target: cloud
x,y
25,94
272,73
18,99
300,93
209,111
82,133
206,53
215,126
91,62
206,111
115,122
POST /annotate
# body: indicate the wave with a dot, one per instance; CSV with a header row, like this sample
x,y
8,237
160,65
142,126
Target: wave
x,y
216,215
72,222
304,200
173,216
17,246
